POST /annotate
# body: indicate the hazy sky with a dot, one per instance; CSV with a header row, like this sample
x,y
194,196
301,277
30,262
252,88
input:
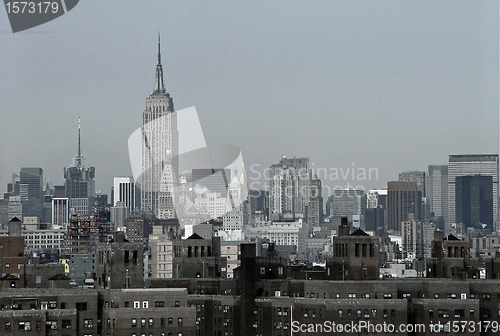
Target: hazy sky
x,y
391,85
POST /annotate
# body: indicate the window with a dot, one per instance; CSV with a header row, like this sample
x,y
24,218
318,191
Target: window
x,y
145,304
179,321
137,304
143,322
150,322
159,304
177,303
352,295
486,297
126,304
374,313
7,326
38,279
431,313
82,306
262,270
340,313
66,324
88,323
170,320
134,322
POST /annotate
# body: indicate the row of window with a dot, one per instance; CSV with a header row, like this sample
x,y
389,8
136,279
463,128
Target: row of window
x,y
462,296
149,322
145,304
54,325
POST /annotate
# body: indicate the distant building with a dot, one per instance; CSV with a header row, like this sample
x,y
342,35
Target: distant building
x,y
474,164
474,201
60,212
160,150
124,191
437,191
412,237
315,206
415,176
350,203
289,187
31,190
79,184
119,215
403,198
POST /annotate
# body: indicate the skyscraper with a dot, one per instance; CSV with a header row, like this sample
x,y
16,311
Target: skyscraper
x,y
79,183
124,191
289,190
466,165
160,148
31,190
437,191
474,201
403,198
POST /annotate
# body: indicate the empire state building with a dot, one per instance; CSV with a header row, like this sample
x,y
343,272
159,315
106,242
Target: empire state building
x,y
160,149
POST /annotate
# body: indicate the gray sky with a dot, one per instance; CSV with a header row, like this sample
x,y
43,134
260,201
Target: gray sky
x,y
391,85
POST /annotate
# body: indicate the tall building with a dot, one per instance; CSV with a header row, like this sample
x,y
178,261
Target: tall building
x,y
466,165
124,191
160,148
474,201
315,207
79,183
60,212
414,176
289,190
412,238
437,191
350,203
403,198
31,190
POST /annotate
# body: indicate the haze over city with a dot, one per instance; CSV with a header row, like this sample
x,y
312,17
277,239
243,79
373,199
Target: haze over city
x,y
387,85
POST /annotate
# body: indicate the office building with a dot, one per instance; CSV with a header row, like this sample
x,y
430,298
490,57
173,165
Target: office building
x,y
79,183
466,165
403,198
124,191
437,191
31,190
474,201
289,187
160,149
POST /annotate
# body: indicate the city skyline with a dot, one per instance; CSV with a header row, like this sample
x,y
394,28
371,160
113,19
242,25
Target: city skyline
x,y
365,89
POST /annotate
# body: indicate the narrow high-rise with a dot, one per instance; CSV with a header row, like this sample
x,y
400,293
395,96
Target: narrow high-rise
x,y
160,148
79,183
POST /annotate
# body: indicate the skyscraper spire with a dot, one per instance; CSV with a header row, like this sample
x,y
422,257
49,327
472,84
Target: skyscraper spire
x,y
159,85
159,52
78,161
79,137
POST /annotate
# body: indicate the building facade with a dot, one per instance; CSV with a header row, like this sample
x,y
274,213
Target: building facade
x,y
466,165
160,149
